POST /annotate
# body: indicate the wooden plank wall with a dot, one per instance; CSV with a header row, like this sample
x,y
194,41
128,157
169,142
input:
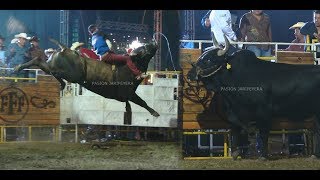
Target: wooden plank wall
x,y
292,57
192,116
30,103
192,109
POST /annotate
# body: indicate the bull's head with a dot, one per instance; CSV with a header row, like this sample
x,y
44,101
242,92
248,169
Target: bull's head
x,y
210,62
142,55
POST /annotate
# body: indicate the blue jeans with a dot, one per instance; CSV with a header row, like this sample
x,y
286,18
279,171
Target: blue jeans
x,y
258,51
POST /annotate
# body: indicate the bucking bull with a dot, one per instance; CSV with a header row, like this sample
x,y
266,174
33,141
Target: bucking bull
x,y
98,76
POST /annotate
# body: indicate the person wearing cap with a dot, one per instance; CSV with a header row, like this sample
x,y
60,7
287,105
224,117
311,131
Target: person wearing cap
x,y
35,50
17,53
101,48
299,38
84,52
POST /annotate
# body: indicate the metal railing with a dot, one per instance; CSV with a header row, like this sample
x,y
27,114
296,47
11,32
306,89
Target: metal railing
x,y
275,44
5,74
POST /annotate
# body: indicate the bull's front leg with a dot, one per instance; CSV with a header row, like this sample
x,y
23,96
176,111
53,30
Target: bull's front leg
x,y
235,143
35,61
262,143
136,99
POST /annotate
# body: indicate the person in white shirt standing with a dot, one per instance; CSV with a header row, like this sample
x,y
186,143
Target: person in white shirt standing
x,y
220,21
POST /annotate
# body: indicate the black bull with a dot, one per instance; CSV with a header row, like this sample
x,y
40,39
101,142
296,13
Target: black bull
x,y
255,91
98,76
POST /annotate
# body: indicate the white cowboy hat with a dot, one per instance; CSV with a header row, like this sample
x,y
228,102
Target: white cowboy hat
x,y
75,45
297,25
15,40
50,50
22,35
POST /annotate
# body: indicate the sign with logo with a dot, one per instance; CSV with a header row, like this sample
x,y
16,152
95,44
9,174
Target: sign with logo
x,y
14,104
30,103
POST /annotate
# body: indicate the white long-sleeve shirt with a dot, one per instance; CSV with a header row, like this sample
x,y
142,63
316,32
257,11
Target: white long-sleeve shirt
x,y
220,21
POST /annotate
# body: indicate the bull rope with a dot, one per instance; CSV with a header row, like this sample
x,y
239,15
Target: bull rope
x,y
210,73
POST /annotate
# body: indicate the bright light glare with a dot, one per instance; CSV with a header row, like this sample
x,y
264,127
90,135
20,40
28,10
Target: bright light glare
x,y
135,44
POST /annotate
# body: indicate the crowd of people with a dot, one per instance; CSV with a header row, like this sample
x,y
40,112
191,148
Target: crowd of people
x,y
24,48
255,26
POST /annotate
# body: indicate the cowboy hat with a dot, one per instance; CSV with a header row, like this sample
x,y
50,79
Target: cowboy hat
x,y
50,50
76,45
22,35
297,25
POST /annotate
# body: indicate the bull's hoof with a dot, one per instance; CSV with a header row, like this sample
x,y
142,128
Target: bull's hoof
x,y
17,68
236,155
155,114
262,159
313,157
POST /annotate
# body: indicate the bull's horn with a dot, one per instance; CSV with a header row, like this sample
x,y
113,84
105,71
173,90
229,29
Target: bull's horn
x,y
61,46
215,42
223,51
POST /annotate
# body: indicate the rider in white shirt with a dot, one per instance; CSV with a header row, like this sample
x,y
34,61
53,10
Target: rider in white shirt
x,y
220,21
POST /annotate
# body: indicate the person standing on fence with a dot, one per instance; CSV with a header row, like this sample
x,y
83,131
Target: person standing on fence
x,y
255,26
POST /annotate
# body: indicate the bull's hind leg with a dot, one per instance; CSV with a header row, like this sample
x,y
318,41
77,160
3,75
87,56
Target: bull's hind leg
x,y
128,115
136,99
316,134
235,143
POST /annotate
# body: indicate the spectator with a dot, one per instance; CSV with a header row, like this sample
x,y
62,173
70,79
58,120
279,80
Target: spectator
x,y
17,52
299,38
2,52
255,26
205,21
187,45
313,29
3,63
35,51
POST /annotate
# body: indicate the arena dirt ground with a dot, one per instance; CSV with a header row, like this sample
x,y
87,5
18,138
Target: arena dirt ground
x,y
143,156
